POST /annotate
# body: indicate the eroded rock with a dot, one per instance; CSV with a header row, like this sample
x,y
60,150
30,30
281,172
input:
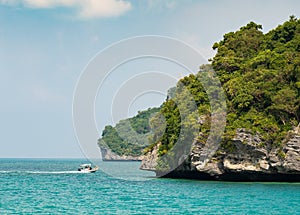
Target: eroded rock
x,y
250,159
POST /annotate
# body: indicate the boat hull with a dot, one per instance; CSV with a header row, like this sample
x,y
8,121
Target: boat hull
x,y
93,170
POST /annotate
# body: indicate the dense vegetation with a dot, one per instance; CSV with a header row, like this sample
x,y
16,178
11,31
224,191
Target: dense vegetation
x,y
129,136
260,76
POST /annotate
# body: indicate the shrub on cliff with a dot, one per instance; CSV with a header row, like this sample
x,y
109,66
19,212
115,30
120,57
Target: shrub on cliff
x,y
260,75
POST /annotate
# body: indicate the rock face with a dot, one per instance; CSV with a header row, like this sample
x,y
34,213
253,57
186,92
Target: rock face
x,y
150,159
108,155
248,160
291,154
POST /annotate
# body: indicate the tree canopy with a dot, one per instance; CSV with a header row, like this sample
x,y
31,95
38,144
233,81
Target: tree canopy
x,y
260,76
129,136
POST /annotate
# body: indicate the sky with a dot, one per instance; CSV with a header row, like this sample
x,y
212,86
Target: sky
x,y
45,45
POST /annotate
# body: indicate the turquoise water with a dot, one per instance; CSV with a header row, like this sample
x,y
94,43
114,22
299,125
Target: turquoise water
x,y
53,187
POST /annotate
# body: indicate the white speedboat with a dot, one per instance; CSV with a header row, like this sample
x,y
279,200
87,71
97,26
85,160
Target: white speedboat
x,y
87,168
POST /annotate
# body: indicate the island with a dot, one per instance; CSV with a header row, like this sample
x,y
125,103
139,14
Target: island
x,y
259,74
126,140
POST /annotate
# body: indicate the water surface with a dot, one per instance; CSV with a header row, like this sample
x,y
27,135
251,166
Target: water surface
x,y
54,186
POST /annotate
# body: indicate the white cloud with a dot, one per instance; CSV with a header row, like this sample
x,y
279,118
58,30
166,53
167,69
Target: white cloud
x,y
94,8
86,8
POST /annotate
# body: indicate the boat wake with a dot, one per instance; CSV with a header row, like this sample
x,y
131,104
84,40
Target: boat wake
x,y
42,172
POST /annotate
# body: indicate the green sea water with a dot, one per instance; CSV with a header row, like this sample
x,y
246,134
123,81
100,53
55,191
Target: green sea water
x,y
31,186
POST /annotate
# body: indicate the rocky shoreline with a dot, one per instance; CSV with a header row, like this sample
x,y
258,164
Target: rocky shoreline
x,y
249,160
108,155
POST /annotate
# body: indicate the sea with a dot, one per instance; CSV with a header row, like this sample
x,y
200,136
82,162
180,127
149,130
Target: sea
x,y
54,186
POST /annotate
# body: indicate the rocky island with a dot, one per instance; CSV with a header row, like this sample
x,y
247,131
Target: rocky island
x,y
259,74
126,141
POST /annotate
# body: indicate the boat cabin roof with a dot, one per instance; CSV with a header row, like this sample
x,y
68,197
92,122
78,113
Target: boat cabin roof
x,y
86,165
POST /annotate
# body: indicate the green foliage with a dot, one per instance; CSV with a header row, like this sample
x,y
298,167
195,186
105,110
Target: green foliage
x,y
281,154
260,75
140,122
236,47
129,136
262,90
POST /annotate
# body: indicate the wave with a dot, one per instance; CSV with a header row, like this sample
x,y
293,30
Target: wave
x,y
42,172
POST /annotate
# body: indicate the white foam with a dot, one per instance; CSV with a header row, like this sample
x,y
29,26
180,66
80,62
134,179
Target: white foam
x,y
45,172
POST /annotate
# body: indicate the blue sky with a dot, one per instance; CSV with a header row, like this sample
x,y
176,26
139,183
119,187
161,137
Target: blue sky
x,y
45,45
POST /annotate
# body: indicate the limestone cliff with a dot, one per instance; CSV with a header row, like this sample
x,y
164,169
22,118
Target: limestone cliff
x,y
250,159
108,155
149,161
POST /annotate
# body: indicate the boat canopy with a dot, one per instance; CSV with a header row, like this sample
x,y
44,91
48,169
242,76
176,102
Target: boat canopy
x,y
86,165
